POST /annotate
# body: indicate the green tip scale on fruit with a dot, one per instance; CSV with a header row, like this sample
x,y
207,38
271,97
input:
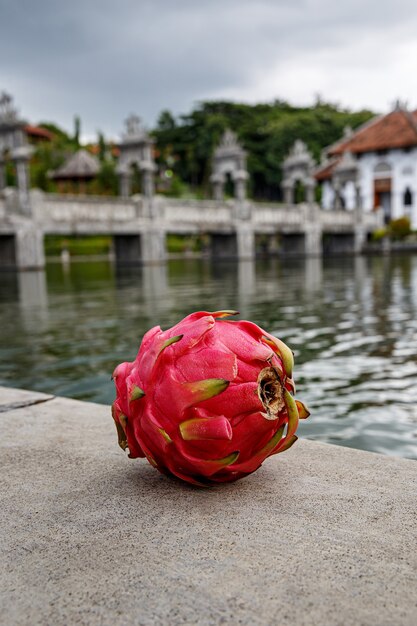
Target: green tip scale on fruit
x,y
303,411
272,443
292,412
284,352
165,435
203,429
221,314
169,342
288,443
136,394
201,390
121,435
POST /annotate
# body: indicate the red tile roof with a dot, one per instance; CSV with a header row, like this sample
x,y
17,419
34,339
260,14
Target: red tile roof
x,y
397,129
325,172
38,132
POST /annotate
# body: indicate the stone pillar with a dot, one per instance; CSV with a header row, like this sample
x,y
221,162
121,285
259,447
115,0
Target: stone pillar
x,y
245,242
313,231
139,205
218,191
309,187
242,210
148,153
21,157
217,184
240,179
147,180
30,253
358,197
359,229
288,192
337,197
22,171
125,181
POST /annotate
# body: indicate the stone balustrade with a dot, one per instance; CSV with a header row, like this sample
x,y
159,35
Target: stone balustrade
x,y
142,223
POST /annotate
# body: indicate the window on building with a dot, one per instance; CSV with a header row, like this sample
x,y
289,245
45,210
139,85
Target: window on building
x,y
382,169
408,197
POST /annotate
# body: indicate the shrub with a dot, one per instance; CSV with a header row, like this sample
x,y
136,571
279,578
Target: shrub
x,y
379,234
399,228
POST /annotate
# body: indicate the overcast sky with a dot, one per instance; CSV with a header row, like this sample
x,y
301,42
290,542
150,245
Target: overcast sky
x,y
103,59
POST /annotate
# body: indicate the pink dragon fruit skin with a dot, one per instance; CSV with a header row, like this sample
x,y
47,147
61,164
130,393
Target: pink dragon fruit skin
x,y
207,400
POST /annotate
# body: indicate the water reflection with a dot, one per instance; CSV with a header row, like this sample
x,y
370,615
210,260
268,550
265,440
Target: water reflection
x,y
351,322
33,299
313,275
246,286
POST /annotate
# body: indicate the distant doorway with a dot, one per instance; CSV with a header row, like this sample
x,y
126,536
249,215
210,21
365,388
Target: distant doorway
x,y
382,189
385,204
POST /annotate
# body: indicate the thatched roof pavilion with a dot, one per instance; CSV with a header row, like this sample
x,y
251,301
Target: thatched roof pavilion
x,y
74,175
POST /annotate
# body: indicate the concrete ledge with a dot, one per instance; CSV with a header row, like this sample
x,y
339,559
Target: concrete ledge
x,y
11,398
319,535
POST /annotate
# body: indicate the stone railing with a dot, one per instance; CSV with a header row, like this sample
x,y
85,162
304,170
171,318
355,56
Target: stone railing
x,y
195,212
192,202
373,220
338,219
73,209
348,219
278,214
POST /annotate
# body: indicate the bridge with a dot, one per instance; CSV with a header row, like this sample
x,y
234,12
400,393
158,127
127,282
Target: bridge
x,y
139,225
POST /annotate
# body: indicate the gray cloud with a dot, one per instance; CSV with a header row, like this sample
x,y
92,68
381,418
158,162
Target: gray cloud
x,y
103,59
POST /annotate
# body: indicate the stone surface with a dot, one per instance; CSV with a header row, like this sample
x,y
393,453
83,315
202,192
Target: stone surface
x,y
11,398
319,535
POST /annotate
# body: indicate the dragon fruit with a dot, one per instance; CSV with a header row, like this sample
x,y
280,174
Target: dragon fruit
x,y
207,400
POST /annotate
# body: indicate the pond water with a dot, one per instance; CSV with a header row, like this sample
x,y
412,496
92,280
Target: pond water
x,y
351,322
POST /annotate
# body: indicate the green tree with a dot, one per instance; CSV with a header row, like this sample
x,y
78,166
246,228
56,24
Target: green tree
x,y
166,121
77,130
102,148
107,182
266,131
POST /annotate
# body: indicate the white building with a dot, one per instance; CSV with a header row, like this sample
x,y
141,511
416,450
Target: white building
x,y
375,165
